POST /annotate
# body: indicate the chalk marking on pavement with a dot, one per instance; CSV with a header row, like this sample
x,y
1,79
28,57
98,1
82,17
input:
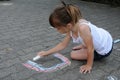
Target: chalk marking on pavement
x,y
39,67
6,4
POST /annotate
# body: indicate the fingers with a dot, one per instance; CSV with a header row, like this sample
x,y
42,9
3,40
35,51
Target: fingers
x,y
75,48
85,69
41,53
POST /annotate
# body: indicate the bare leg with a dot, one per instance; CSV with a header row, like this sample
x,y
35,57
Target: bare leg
x,y
79,54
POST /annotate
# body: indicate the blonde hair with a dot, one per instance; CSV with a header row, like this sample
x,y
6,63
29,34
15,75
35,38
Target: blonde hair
x,y
62,15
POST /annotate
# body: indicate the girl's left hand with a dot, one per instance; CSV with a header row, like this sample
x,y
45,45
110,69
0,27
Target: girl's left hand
x,y
85,68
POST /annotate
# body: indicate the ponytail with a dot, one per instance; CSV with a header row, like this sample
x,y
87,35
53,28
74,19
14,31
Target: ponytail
x,y
74,13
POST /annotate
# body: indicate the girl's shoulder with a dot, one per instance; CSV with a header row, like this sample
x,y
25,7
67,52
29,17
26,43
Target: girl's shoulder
x,y
83,26
83,21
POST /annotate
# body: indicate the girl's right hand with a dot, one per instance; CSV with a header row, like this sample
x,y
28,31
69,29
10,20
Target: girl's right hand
x,y
42,53
78,47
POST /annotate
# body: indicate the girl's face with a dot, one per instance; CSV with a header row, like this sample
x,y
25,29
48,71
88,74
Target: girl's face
x,y
64,29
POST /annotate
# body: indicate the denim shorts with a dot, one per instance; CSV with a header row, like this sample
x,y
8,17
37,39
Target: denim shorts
x,y
97,56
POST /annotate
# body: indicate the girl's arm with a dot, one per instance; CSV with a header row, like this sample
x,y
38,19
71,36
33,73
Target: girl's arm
x,y
87,38
58,47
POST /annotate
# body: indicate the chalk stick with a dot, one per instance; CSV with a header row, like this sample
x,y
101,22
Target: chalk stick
x,y
36,58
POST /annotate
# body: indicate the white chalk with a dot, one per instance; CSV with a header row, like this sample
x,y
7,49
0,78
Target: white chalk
x,y
36,58
117,40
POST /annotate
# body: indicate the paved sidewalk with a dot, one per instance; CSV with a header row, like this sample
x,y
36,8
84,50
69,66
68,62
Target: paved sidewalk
x,y
25,30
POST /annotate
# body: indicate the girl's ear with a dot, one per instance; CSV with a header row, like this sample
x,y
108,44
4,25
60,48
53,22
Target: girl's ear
x,y
69,26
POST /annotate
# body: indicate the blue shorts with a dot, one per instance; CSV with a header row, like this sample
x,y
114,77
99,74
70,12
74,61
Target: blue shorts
x,y
99,57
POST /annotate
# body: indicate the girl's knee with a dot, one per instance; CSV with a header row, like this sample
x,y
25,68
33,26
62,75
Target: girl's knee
x,y
73,56
78,56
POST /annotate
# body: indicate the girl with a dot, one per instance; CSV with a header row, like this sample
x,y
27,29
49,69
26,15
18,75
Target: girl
x,y
96,43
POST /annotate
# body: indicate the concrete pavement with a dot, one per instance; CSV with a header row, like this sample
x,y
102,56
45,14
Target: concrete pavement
x,y
25,30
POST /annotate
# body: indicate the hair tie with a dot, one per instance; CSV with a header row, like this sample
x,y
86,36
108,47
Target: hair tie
x,y
63,3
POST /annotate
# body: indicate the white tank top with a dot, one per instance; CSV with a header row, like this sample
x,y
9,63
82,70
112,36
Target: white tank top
x,y
102,39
